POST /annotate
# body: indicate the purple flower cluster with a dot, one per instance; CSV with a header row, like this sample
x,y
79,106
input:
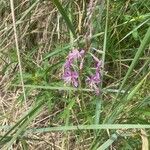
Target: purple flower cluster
x,y
70,76
94,80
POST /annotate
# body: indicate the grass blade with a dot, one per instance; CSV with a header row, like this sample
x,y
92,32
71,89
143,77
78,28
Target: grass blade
x,y
134,30
99,100
17,48
61,88
142,47
65,16
21,125
108,143
89,127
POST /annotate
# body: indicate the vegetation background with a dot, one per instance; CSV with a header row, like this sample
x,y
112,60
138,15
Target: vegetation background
x,y
39,111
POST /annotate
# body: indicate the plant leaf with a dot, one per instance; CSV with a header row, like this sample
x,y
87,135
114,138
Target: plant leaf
x,y
64,15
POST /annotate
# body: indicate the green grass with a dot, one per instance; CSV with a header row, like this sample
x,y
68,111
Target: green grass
x,y
38,110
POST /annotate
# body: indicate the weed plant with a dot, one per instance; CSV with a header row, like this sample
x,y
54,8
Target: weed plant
x,y
39,110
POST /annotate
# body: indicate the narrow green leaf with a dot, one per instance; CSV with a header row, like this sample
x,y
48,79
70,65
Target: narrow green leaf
x,y
24,124
89,127
59,50
60,88
136,88
108,143
142,47
99,100
135,29
64,15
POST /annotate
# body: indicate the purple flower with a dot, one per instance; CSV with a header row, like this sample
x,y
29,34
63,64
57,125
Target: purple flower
x,y
75,54
67,64
94,80
71,77
98,62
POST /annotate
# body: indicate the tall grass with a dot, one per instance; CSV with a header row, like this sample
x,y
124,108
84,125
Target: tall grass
x,y
39,110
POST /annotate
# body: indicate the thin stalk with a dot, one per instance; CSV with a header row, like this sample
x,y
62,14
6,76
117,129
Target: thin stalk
x,y
99,101
17,48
